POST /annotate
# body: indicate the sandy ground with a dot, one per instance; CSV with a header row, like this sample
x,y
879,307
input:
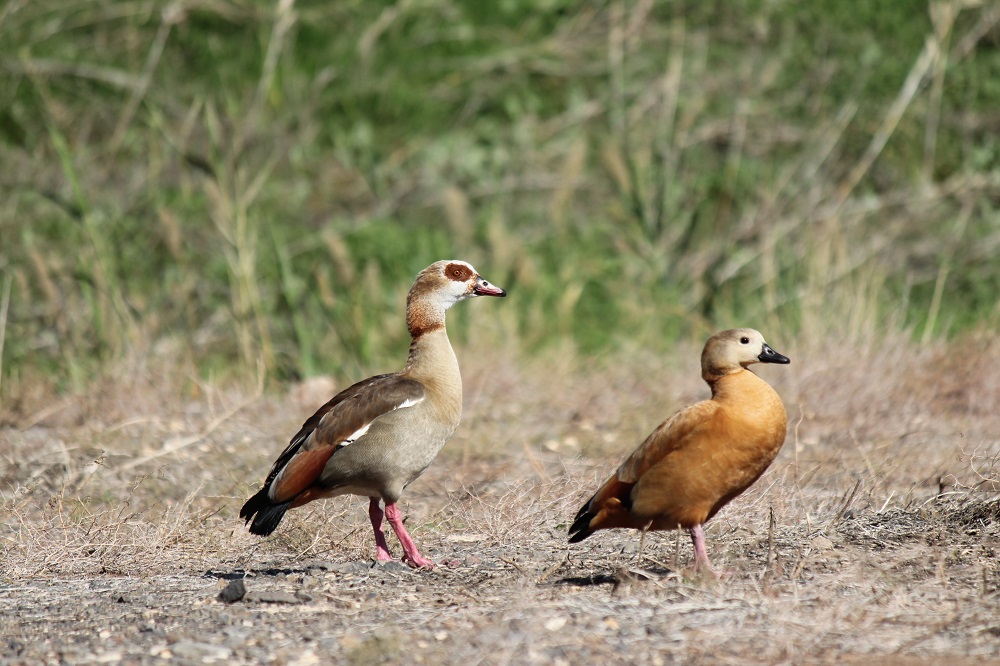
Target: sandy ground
x,y
874,535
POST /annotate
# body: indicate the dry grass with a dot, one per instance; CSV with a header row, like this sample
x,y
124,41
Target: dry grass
x,y
118,514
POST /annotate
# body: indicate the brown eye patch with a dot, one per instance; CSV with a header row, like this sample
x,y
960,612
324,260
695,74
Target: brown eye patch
x,y
458,272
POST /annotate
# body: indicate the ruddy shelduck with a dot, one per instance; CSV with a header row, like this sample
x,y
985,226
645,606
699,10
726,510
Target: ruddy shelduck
x,y
375,437
704,456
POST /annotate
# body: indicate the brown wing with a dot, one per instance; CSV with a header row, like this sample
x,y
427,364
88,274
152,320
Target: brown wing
x,y
339,422
611,505
671,435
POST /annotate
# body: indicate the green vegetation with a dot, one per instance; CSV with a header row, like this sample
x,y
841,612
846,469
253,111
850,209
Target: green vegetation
x,y
237,183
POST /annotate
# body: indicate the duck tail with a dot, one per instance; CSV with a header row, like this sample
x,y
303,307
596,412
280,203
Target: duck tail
x,y
262,514
580,529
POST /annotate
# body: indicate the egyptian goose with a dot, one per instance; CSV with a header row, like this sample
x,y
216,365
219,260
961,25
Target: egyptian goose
x,y
695,462
374,438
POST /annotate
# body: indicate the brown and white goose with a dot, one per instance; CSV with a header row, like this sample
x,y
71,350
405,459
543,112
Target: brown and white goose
x,y
375,437
704,456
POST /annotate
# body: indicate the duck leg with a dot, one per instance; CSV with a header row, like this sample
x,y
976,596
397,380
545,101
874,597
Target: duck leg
x,y
411,555
700,553
375,513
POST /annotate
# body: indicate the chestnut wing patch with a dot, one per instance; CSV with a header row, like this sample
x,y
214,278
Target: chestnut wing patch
x,y
340,422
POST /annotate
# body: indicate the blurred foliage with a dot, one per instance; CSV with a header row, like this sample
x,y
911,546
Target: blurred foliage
x,y
239,181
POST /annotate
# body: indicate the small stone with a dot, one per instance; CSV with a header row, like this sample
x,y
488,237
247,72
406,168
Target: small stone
x,y
555,623
233,592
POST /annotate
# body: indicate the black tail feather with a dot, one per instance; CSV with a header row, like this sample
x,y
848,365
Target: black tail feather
x,y
264,514
580,529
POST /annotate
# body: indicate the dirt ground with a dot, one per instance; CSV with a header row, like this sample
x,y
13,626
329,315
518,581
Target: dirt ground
x,y
873,537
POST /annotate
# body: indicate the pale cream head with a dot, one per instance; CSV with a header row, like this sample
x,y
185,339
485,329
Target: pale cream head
x,y
730,351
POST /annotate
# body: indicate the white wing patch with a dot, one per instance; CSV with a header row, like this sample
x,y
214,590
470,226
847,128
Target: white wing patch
x,y
354,436
408,403
360,432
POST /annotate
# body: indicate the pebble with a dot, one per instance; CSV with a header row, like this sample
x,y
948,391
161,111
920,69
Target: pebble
x,y
234,591
555,623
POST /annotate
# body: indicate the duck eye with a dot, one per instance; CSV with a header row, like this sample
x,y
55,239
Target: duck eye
x,y
745,340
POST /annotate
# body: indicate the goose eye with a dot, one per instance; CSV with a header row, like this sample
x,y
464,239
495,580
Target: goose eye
x,y
457,273
745,340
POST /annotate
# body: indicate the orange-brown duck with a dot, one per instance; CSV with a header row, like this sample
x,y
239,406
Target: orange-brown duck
x,y
697,461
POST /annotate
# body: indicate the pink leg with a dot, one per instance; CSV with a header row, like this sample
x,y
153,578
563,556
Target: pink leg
x,y
375,513
412,555
700,553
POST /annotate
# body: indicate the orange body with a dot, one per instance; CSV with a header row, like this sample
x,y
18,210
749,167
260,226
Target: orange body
x,y
697,461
